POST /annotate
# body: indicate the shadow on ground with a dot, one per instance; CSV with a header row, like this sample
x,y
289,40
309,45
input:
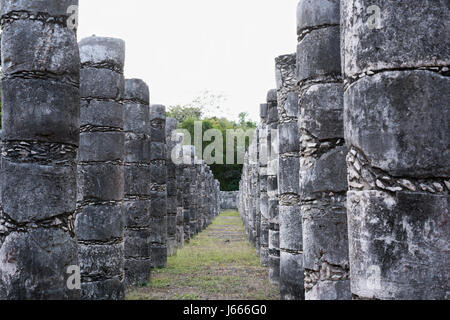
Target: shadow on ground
x,y
219,264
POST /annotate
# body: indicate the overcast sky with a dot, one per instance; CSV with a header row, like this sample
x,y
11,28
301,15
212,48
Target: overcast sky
x,y
183,47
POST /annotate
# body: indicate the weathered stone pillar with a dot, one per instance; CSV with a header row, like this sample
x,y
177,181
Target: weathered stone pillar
x,y
201,196
40,102
217,183
264,198
99,224
137,188
158,182
3,229
397,131
188,160
213,200
291,248
323,182
253,192
245,193
194,187
180,189
272,189
171,126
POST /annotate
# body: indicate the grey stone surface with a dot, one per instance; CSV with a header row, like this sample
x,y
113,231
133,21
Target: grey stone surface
x,y
137,203
272,187
158,182
411,36
290,219
393,139
391,256
40,117
101,173
171,126
228,200
178,155
323,181
364,107
316,14
396,126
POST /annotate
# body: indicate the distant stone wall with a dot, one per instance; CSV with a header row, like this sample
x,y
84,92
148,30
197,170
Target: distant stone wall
x,y
228,200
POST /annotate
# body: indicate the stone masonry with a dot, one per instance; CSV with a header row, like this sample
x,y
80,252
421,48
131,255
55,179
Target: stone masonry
x,y
171,126
40,115
291,249
137,188
345,184
272,188
158,185
397,130
323,181
263,196
367,217
99,224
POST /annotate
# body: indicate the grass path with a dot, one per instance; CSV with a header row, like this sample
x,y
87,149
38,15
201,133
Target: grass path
x,y
219,264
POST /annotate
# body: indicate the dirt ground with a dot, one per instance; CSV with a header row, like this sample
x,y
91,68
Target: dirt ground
x,y
219,264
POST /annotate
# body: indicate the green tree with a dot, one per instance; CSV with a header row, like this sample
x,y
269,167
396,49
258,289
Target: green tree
x,y
228,175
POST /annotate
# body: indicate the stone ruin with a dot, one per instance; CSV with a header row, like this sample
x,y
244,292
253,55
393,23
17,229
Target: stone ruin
x,y
354,171
228,200
104,181
345,186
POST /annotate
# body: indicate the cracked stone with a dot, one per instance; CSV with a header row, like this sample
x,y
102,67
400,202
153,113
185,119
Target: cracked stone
x,y
408,184
447,184
438,187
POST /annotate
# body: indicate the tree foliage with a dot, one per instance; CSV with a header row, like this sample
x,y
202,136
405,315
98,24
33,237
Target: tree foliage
x,y
228,175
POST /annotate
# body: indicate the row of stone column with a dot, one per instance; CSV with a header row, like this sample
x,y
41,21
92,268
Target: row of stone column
x,y
92,175
377,134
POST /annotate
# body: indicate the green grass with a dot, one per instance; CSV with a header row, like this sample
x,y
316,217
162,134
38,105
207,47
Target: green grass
x,y
218,264
230,213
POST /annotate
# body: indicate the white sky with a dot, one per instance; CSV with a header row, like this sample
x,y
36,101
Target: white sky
x,y
183,47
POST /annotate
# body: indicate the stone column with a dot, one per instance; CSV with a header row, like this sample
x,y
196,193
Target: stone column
x,y
291,248
397,130
40,102
180,188
323,182
158,183
217,183
253,195
188,159
201,196
194,187
3,229
99,224
137,189
213,201
171,126
245,193
272,189
257,196
263,198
